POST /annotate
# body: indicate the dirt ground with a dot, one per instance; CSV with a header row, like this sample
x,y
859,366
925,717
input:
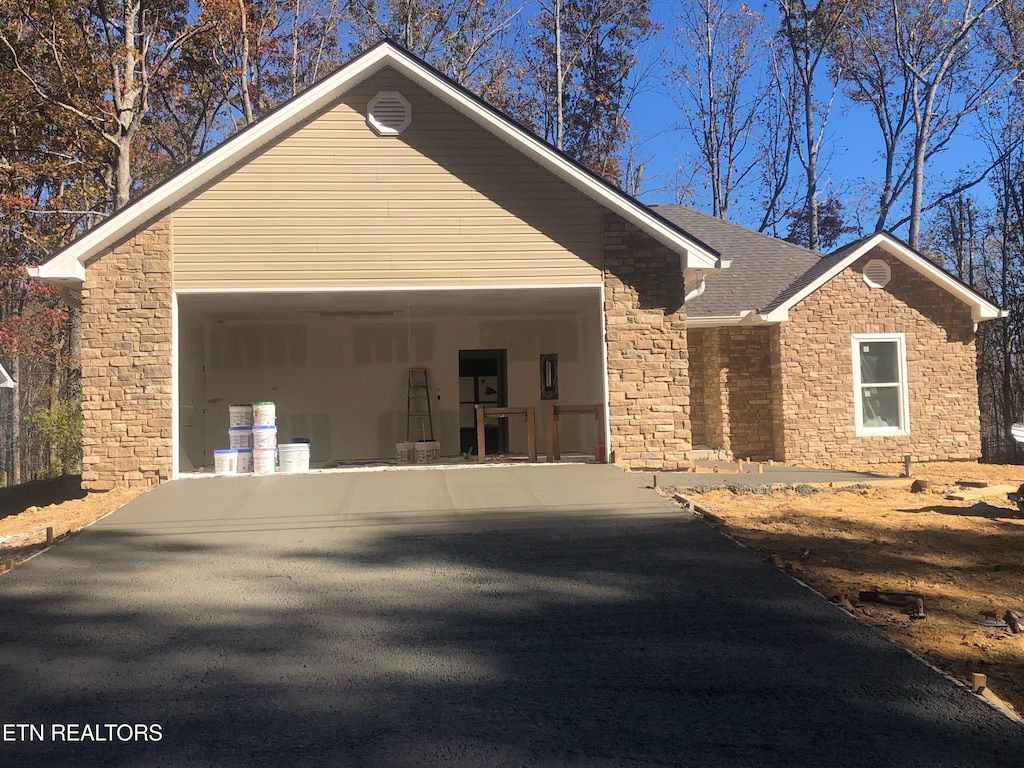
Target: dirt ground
x,y
966,558
23,533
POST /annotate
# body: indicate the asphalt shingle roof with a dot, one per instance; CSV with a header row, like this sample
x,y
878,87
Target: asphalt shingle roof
x,y
763,269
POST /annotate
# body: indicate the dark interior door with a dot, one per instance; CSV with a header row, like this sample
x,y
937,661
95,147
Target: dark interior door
x,y
482,380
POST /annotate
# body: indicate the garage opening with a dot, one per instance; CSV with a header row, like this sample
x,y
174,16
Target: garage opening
x,y
336,364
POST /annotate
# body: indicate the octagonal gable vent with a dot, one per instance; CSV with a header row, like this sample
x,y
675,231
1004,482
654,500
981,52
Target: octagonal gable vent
x,y
389,113
877,273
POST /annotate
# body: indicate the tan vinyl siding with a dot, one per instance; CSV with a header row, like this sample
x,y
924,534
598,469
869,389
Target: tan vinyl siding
x,y
335,205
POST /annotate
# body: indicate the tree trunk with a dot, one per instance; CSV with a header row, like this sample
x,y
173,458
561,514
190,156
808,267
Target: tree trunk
x,y
559,77
917,193
16,421
812,167
1004,336
243,85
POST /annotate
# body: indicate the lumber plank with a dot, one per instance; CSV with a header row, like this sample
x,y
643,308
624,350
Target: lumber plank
x,y
973,494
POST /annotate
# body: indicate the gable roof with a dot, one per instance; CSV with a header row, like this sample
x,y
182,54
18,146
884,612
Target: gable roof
x,y
768,276
829,266
67,267
761,266
5,378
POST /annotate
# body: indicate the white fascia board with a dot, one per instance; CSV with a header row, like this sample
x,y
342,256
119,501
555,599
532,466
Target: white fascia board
x,y
62,267
719,321
981,309
746,317
5,379
64,270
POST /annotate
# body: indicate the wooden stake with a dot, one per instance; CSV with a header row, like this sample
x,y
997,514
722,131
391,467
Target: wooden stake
x,y
49,535
978,682
907,472
654,480
760,469
739,464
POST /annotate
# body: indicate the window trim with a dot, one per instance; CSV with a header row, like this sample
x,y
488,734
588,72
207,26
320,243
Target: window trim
x,y
904,399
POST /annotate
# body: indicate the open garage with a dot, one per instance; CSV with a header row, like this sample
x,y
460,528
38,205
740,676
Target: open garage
x,y
336,364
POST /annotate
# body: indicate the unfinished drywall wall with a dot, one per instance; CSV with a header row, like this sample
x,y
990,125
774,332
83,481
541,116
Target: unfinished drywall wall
x,y
342,382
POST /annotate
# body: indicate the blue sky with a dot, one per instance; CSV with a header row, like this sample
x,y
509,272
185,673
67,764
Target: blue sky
x,y
849,158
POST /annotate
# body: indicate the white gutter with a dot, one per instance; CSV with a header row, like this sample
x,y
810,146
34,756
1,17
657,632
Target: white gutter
x,y
746,317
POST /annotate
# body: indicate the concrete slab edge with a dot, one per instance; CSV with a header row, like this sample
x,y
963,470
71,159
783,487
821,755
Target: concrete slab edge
x,y
389,468
986,695
65,537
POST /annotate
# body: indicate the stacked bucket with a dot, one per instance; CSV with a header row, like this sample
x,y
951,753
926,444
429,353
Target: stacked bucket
x,y
252,435
264,438
252,441
240,435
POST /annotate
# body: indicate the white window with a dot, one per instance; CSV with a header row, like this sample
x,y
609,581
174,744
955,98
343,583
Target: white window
x,y
880,402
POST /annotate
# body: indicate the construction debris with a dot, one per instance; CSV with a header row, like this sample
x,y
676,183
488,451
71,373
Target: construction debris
x,y
914,603
973,494
1015,621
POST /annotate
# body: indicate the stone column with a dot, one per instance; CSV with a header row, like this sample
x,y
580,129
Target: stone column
x,y
645,327
127,363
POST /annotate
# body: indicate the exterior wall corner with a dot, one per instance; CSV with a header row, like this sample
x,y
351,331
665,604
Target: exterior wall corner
x,y
127,360
645,335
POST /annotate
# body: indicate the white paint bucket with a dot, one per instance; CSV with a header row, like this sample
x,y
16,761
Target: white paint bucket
x,y
264,460
405,452
427,451
263,414
264,436
245,460
240,415
225,461
240,437
294,457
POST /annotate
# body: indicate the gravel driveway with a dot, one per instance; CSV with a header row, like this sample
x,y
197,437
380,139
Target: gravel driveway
x,y
496,616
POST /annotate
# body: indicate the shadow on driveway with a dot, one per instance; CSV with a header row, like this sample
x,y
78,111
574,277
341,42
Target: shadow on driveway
x,y
525,636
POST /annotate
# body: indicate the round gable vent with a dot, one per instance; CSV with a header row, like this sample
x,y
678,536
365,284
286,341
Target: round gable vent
x,y
389,113
877,273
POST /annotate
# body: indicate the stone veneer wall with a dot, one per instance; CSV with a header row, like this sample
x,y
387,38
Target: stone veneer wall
x,y
696,349
746,363
645,333
732,367
127,363
812,353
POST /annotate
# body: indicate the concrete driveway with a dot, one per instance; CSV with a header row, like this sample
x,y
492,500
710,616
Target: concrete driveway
x,y
496,616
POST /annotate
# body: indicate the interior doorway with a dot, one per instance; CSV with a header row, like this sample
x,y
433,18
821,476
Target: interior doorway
x,y
482,380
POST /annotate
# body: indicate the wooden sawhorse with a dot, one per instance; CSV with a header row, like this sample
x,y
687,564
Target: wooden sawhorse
x,y
554,451
484,411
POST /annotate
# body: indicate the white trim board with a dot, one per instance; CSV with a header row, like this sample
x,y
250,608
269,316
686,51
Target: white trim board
x,y
396,288
67,267
5,379
981,309
902,386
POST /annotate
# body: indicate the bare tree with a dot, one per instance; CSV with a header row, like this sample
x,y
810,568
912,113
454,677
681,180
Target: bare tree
x,y
583,61
471,42
719,68
98,62
809,33
922,67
